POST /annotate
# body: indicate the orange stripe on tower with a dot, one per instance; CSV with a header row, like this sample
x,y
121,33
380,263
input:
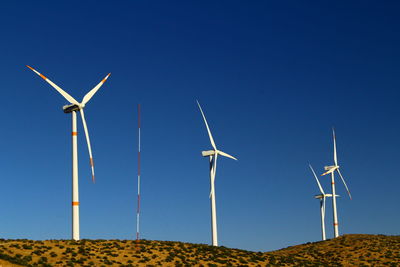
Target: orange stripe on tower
x,y
335,224
74,133
75,203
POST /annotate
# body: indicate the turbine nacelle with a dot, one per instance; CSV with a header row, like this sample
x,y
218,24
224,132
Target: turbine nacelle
x,y
320,196
208,153
327,168
70,108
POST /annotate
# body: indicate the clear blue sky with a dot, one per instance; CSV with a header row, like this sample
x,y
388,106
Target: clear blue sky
x,y
273,78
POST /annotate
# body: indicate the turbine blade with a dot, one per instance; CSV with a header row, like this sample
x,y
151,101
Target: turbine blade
x,y
226,155
208,128
334,147
215,165
341,176
88,143
323,208
55,86
316,178
328,171
90,94
213,172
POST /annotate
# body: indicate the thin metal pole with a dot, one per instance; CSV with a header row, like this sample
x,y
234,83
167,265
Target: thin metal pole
x,y
138,180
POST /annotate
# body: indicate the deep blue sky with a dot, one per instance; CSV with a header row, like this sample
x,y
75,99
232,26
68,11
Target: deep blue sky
x,y
273,78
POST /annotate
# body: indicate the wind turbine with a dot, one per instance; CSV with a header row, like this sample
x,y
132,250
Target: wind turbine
x,y
73,108
322,197
213,155
331,170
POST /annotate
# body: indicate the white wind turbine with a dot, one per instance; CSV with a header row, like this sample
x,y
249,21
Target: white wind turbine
x,y
322,197
331,170
73,108
213,154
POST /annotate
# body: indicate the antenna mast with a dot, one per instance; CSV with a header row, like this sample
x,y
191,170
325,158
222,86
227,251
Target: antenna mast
x,y
138,196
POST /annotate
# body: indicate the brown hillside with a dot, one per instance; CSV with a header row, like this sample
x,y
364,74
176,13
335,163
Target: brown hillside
x,y
348,250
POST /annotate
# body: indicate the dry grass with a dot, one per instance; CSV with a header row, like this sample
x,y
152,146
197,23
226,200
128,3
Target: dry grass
x,y
348,250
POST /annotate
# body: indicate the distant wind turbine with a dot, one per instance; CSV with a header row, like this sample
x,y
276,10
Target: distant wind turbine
x,y
322,197
213,154
331,170
73,108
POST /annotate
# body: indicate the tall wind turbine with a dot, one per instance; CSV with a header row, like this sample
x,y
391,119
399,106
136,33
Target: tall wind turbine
x,y
322,197
213,155
331,170
73,108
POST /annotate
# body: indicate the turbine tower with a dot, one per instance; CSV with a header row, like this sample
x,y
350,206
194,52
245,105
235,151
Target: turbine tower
x,y
322,197
213,155
73,108
331,170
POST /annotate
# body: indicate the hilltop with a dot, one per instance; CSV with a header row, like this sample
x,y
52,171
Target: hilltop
x,y
347,250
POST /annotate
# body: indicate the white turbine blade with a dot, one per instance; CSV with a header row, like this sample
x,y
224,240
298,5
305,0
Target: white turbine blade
x,y
341,176
90,94
88,143
211,173
55,86
214,170
323,207
325,173
226,155
319,185
215,166
334,147
208,128
330,170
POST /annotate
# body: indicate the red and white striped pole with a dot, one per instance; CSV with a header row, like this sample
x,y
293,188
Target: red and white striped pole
x,y
138,196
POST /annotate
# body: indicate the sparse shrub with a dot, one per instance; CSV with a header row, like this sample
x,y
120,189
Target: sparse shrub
x,y
15,246
27,258
26,246
37,252
43,259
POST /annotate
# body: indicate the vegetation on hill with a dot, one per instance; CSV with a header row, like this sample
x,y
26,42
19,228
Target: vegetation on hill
x,y
348,250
